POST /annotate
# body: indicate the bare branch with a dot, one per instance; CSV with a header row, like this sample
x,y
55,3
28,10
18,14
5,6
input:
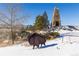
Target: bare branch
x,y
21,18
4,16
4,22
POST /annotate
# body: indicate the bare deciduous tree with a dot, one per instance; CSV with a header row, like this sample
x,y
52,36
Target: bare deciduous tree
x,y
13,19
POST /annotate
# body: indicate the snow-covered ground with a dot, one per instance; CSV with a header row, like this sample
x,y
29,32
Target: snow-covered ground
x,y
69,47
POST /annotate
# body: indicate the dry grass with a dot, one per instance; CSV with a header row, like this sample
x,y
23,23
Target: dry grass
x,y
25,44
5,43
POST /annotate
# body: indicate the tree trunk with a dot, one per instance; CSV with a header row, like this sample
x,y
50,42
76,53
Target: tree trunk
x,y
12,37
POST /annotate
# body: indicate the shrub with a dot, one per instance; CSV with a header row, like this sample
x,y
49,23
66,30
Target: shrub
x,y
51,35
49,38
24,34
55,34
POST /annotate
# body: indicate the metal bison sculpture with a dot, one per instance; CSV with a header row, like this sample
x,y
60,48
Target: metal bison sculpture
x,y
36,40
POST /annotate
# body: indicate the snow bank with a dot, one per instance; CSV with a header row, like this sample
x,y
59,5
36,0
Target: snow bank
x,y
52,48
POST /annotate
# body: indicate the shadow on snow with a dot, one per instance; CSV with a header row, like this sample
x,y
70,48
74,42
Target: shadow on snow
x,y
46,46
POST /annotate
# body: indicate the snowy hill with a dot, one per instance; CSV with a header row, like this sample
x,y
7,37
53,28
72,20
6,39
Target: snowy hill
x,y
70,27
53,47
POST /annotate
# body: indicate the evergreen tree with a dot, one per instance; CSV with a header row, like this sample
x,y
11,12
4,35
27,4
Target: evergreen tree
x,y
46,22
39,23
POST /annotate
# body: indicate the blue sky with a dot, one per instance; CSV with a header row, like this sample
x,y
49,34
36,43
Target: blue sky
x,y
69,12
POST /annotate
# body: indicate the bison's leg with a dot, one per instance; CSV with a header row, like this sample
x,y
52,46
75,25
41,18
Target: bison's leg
x,y
44,44
33,46
37,46
41,45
